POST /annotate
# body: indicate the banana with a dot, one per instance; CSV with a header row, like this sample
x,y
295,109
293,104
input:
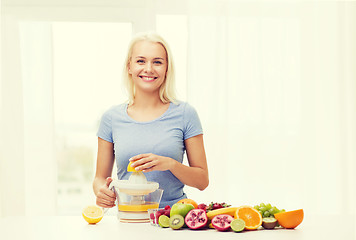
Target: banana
x,y
228,210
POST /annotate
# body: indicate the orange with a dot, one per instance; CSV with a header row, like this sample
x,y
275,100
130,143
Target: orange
x,y
93,214
187,200
290,219
250,215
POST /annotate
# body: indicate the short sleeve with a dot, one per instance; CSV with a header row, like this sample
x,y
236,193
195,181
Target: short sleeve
x,y
192,124
105,127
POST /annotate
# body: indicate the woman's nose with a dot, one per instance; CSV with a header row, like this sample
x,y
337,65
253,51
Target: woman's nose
x,y
148,67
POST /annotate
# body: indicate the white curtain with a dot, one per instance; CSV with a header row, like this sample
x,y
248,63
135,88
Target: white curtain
x,y
28,169
274,85
37,85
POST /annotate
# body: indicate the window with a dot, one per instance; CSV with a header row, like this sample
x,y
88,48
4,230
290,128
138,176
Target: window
x,y
87,67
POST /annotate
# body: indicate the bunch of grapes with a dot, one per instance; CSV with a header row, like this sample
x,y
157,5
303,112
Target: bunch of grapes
x,y
267,210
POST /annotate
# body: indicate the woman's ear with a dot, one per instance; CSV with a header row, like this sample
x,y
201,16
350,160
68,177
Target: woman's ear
x,y
128,68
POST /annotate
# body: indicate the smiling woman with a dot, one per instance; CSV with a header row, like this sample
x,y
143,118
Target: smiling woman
x,y
153,131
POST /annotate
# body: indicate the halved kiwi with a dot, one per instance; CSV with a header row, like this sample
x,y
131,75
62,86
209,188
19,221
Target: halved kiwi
x,y
269,222
176,222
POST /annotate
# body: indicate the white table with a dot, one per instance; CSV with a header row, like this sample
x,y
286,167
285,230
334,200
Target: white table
x,y
63,228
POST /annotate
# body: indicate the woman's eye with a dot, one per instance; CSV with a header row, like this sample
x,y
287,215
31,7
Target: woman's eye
x,y
157,62
140,61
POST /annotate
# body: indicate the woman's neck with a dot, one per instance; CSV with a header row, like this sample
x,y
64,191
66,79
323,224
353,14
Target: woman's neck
x,y
143,100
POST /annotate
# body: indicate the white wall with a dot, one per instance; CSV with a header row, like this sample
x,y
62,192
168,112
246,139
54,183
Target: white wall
x,y
274,85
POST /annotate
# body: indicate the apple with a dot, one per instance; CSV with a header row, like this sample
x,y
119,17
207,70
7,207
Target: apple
x,y
181,209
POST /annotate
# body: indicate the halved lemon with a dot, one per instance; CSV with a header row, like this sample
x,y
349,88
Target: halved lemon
x,y
93,214
131,169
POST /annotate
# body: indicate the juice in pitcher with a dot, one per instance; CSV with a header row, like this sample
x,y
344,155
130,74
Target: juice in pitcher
x,y
127,207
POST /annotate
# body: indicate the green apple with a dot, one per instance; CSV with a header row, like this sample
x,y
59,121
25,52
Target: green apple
x,y
181,209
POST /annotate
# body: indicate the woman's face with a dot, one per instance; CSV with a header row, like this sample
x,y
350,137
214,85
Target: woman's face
x,y
148,66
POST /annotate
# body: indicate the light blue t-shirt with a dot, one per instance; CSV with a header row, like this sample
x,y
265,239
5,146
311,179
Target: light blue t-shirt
x,y
163,136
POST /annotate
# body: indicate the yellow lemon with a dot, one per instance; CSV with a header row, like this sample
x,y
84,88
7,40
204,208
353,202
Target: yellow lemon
x,y
131,169
93,214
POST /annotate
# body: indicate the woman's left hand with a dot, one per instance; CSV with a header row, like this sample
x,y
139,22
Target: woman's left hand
x,y
148,162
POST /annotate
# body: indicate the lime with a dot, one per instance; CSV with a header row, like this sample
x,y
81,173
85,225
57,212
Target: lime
x,y
237,225
163,221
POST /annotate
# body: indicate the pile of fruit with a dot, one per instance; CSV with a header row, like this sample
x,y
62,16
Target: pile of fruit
x,y
223,217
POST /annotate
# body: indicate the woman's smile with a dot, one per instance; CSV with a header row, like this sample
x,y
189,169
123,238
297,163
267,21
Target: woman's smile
x,y
148,78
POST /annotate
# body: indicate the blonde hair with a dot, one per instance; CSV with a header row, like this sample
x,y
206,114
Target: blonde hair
x,y
167,89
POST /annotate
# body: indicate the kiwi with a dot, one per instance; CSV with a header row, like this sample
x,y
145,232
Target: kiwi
x,y
176,222
269,223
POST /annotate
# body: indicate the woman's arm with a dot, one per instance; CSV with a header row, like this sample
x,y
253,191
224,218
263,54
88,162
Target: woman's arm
x,y
195,175
105,162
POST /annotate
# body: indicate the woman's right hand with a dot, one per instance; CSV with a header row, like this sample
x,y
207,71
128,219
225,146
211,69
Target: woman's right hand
x,y
105,197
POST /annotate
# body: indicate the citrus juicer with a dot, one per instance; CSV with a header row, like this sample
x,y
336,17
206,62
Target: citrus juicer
x,y
135,196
